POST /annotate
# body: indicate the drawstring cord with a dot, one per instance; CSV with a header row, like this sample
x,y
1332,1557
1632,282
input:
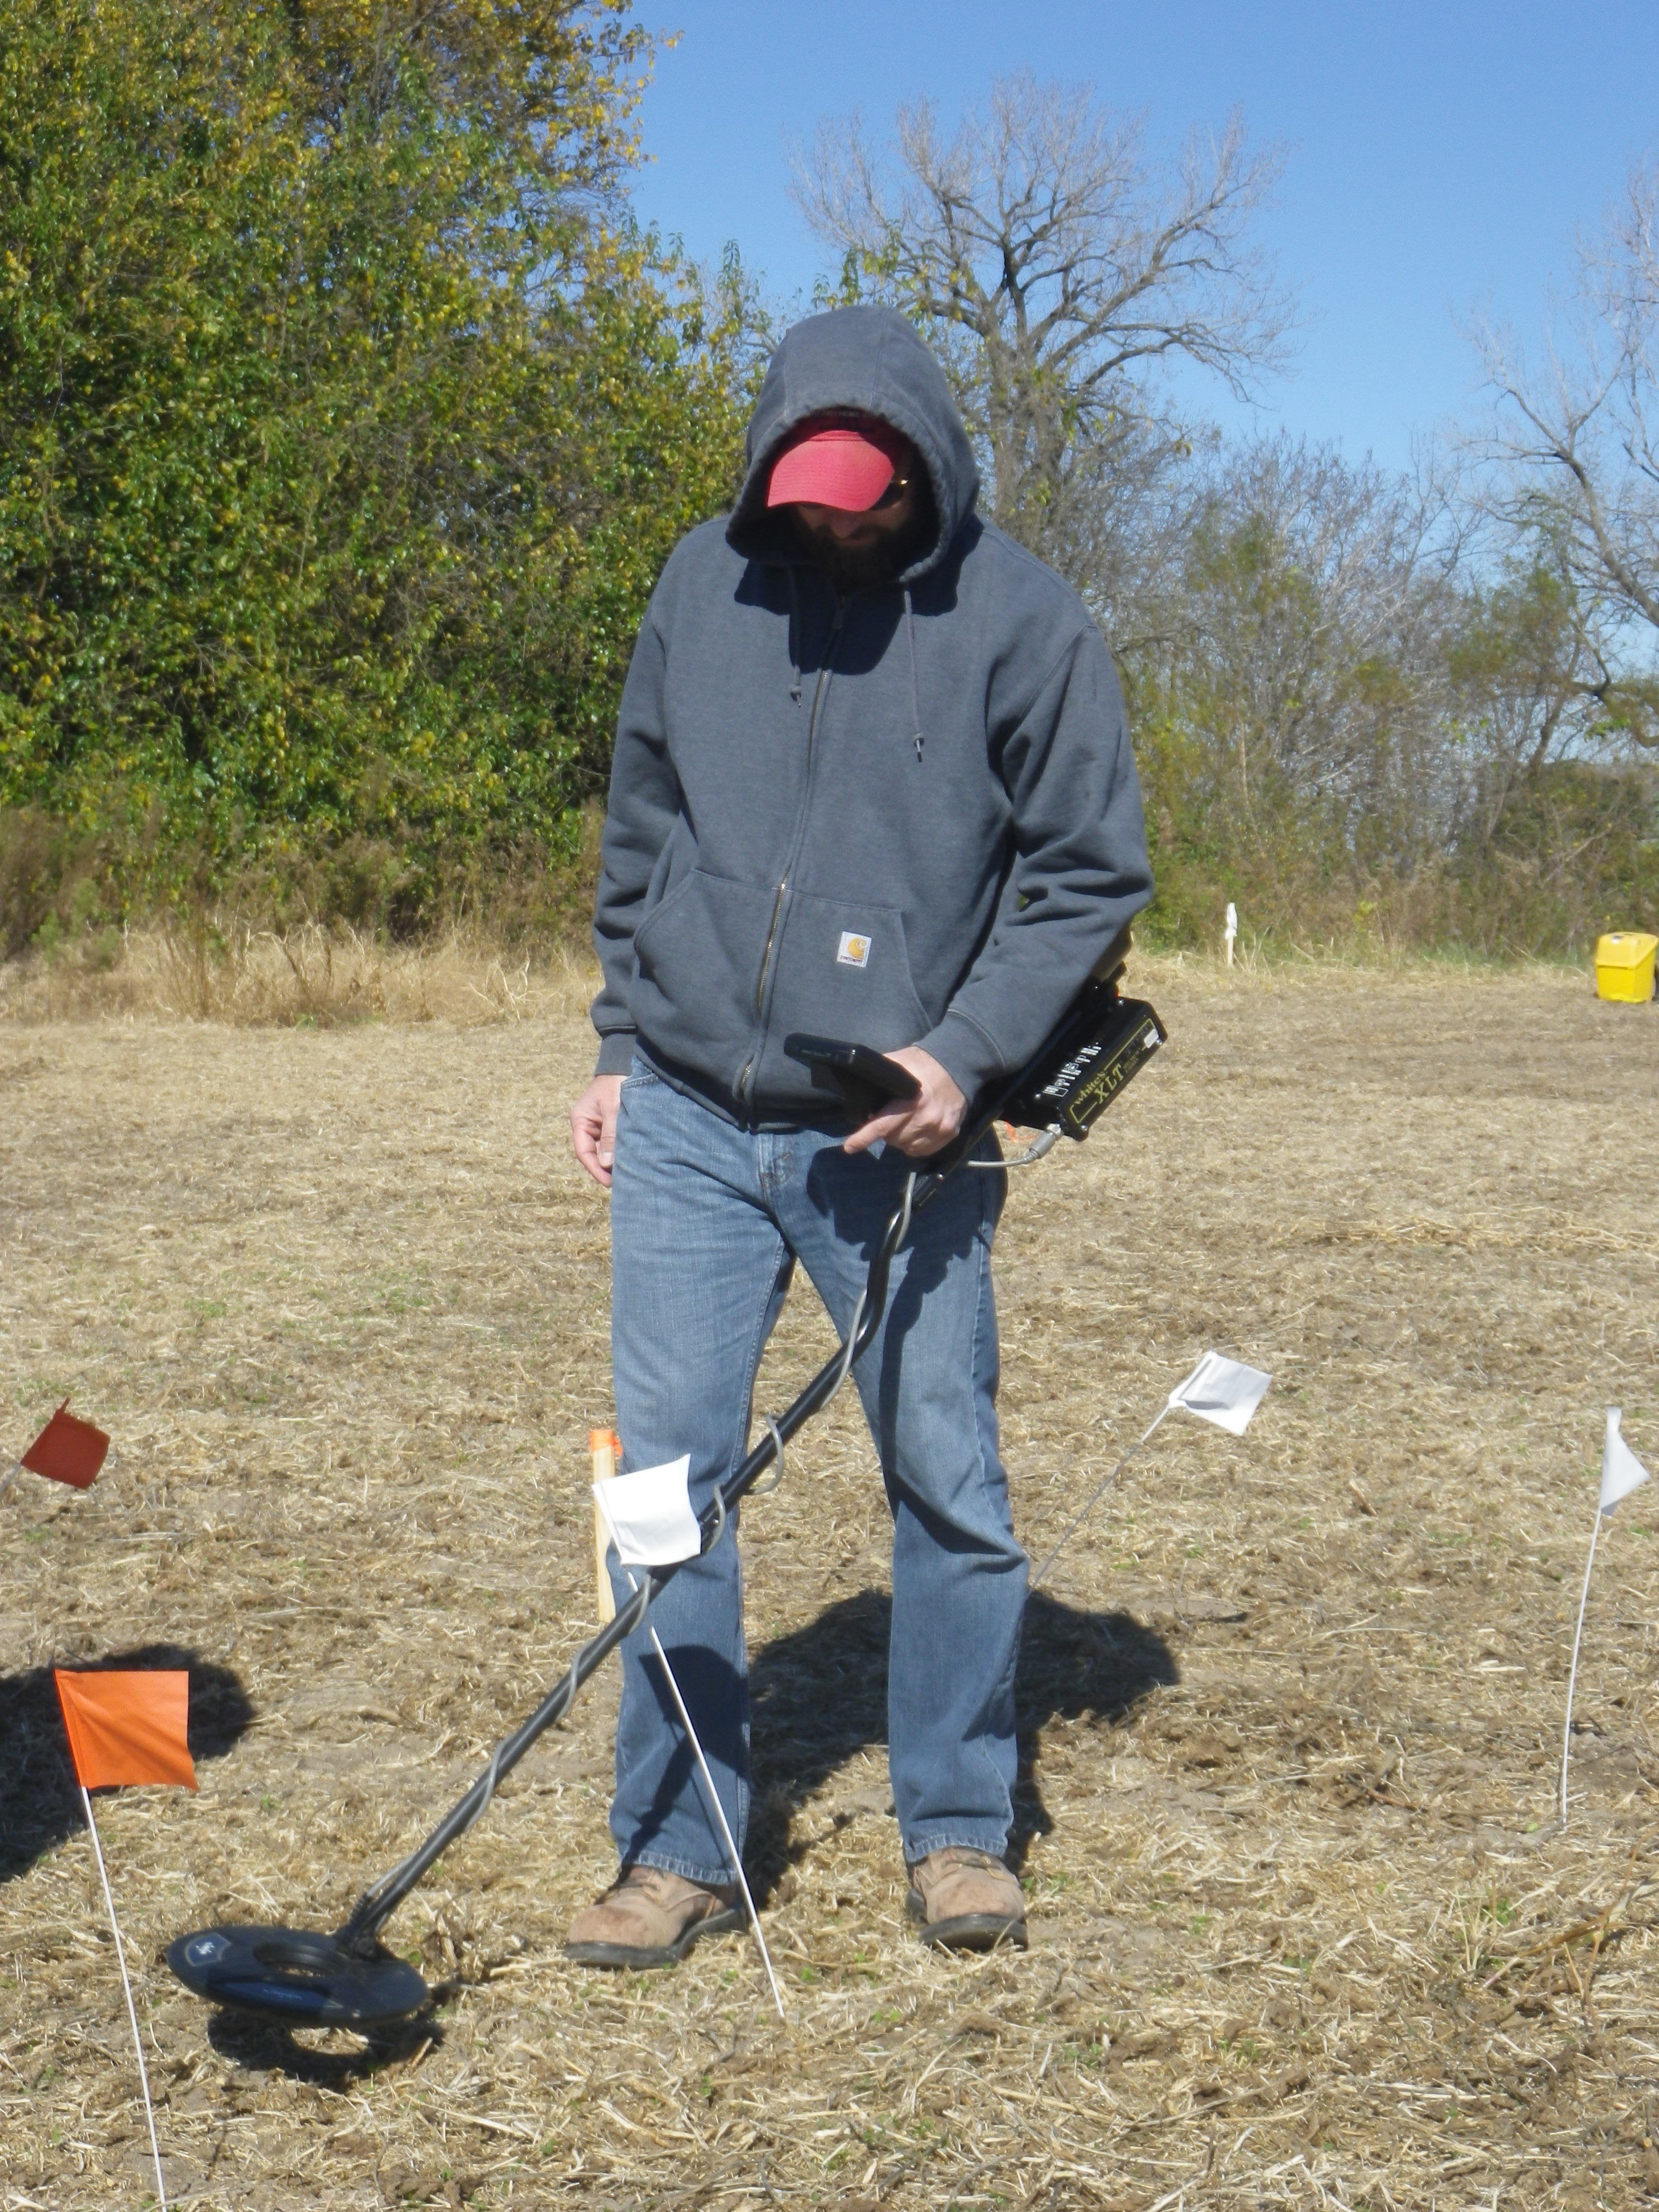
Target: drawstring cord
x,y
916,695
795,624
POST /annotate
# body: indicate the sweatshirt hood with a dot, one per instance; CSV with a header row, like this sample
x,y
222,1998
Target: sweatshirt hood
x,y
870,359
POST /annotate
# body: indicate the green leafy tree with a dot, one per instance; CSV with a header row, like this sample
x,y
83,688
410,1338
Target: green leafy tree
x,y
344,423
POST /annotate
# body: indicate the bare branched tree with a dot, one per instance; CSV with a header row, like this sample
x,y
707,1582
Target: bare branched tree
x,y
1578,449
1522,677
1345,697
1316,599
1058,273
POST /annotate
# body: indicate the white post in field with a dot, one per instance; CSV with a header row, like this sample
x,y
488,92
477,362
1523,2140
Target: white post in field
x,y
1231,930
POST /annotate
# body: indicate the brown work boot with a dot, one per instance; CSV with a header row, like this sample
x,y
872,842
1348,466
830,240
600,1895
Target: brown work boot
x,y
966,1900
649,1918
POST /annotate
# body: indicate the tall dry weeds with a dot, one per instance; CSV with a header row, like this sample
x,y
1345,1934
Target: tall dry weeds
x,y
225,969
306,976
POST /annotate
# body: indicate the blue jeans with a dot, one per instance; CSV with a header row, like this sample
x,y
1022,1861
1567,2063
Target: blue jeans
x,y
708,1221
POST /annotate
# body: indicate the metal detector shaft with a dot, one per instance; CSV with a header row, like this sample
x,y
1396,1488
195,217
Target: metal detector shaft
x,y
377,1904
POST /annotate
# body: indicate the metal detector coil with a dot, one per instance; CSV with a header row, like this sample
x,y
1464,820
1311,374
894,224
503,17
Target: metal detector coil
x,y
298,1976
348,1980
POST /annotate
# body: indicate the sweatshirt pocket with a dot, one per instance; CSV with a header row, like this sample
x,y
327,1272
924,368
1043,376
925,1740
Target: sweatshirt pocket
x,y
697,956
843,970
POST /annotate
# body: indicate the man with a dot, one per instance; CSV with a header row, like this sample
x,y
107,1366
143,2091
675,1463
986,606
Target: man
x,y
872,780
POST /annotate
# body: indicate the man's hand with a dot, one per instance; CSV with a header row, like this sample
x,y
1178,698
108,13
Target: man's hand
x,y
594,1127
917,1126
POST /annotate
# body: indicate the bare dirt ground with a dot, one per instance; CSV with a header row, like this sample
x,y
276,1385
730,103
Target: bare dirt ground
x,y
1304,1931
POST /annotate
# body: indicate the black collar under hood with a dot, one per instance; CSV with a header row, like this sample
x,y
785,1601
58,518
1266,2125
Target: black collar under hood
x,y
872,360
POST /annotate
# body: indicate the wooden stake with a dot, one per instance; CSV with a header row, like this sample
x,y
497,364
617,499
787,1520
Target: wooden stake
x,y
606,1448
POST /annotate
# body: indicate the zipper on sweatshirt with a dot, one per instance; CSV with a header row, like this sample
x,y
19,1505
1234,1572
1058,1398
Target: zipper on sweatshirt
x,y
746,1080
783,886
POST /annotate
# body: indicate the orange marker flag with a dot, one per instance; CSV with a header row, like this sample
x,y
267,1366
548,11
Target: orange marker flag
x,y
67,1450
127,1728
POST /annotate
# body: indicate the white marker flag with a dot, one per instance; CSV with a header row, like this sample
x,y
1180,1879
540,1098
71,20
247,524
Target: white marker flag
x,y
1223,1391
1621,1471
650,1518
649,1515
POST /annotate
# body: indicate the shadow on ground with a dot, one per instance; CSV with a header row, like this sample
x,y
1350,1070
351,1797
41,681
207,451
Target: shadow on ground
x,y
819,1697
39,1804
338,2057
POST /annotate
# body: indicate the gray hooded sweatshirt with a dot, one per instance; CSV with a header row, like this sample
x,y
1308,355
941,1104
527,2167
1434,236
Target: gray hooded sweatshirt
x,y
910,816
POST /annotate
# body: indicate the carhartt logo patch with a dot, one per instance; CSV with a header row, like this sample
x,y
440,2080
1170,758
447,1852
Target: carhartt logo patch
x,y
854,950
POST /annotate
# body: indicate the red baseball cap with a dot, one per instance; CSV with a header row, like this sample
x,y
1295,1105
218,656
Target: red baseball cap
x,y
840,465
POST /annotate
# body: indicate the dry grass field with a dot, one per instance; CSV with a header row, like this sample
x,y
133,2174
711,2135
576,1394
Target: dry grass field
x,y
1305,1930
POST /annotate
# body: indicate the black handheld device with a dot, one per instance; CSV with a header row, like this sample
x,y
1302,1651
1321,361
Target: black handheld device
x,y
864,1077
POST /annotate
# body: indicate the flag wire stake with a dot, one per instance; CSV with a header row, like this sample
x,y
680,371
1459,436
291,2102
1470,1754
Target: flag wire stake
x,y
12,1473
132,2010
1572,1672
734,1856
1095,1498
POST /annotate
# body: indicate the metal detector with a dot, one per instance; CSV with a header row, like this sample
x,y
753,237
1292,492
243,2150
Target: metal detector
x,y
350,1979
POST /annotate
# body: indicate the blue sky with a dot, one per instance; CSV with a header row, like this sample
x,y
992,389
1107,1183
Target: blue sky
x,y
1441,159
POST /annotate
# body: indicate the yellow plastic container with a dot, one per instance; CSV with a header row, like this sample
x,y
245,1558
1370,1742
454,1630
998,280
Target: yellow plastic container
x,y
1624,966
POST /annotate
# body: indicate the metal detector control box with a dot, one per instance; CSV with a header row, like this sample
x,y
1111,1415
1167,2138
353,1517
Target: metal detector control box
x,y
1104,1042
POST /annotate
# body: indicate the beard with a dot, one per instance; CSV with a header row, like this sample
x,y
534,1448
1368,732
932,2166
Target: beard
x,y
859,568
